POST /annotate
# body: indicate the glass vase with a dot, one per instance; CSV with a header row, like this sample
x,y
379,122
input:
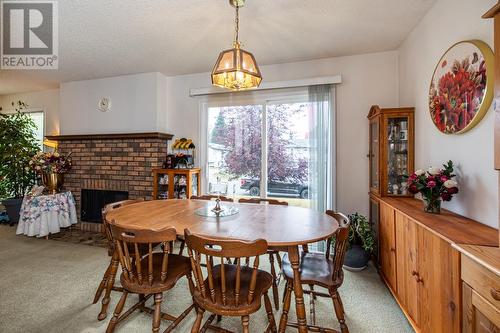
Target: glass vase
x,y
432,205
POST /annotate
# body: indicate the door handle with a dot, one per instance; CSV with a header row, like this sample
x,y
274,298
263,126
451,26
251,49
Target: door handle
x,y
495,294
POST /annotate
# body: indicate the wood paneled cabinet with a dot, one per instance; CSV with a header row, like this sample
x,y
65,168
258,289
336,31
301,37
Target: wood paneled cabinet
x,y
480,288
422,271
420,265
387,243
391,150
479,315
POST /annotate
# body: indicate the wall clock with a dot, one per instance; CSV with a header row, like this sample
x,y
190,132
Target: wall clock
x,y
104,104
461,88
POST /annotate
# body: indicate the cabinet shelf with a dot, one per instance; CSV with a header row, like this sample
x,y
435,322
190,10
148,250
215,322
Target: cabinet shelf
x,y
172,189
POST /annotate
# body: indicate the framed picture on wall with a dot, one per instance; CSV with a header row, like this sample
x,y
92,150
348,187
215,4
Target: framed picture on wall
x,y
461,88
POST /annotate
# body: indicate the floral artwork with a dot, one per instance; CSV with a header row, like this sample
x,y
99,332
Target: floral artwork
x,y
458,91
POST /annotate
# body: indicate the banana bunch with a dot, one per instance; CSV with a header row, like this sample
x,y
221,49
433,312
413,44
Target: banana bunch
x,y
183,143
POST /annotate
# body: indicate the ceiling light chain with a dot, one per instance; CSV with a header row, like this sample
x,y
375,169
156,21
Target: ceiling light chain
x,y
237,27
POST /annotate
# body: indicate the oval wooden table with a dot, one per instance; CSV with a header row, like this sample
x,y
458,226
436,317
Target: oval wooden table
x,y
280,226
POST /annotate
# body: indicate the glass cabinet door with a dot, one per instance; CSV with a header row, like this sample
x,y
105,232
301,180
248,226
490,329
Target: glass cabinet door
x,y
374,154
180,186
194,184
162,186
397,155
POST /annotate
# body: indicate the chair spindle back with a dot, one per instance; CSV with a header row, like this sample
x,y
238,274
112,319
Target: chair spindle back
x,y
341,241
137,245
259,200
107,231
200,248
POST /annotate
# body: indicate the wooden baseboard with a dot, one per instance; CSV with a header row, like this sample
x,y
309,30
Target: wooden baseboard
x,y
88,226
407,315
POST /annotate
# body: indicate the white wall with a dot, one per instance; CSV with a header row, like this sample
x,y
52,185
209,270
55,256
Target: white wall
x,y
47,100
448,22
366,80
137,105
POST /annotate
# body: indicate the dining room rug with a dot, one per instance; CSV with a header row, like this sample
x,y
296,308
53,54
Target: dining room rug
x,y
77,236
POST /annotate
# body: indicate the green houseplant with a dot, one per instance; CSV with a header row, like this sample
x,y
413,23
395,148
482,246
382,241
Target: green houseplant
x,y
361,243
18,145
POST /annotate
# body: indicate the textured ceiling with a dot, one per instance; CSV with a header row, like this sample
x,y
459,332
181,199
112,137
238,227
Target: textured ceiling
x,y
105,38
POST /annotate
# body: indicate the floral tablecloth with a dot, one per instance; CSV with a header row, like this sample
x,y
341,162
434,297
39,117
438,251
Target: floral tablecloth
x,y
46,214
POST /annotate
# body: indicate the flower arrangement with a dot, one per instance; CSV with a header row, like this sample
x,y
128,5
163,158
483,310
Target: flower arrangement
x,y
51,163
435,184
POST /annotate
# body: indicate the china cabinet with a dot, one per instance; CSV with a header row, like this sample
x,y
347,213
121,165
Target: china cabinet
x,y
176,183
391,150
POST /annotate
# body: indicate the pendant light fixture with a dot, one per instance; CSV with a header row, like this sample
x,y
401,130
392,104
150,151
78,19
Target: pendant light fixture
x,y
236,69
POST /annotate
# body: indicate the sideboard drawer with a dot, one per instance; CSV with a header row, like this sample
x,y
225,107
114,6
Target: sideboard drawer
x,y
483,281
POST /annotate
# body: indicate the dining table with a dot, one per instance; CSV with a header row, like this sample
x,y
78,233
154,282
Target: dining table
x,y
284,227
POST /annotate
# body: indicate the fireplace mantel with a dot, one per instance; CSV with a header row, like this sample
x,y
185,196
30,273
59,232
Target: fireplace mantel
x,y
112,136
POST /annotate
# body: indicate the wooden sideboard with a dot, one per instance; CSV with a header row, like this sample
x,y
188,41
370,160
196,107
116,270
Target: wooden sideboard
x,y
480,288
419,263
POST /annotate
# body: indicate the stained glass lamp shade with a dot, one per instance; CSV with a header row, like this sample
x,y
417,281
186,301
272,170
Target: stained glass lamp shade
x,y
236,69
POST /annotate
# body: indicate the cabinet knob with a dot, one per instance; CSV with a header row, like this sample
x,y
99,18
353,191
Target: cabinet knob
x,y
393,249
414,273
495,294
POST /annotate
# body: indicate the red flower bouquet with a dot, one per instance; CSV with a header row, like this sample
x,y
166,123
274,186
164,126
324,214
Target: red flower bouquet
x,y
435,185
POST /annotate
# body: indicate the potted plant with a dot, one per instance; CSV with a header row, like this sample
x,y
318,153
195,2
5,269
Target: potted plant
x,y
361,243
17,146
435,184
52,167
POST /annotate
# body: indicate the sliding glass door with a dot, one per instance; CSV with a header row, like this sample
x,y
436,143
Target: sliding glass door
x,y
234,150
288,152
261,150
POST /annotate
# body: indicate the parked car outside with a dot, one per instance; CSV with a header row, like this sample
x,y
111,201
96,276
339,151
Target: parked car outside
x,y
277,188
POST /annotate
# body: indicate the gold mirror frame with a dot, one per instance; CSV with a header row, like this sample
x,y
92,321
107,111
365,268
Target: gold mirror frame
x,y
488,56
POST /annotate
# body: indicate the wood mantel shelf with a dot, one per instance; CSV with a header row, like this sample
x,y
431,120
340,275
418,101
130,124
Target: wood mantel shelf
x,y
112,136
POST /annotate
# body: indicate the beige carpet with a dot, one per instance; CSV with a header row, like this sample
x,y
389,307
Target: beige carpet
x,y
48,286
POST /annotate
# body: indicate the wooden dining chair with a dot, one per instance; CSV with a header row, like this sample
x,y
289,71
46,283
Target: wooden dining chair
x,y
148,272
323,270
228,289
108,280
263,201
211,197
273,252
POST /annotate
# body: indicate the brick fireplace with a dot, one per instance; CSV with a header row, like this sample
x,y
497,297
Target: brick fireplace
x,y
112,162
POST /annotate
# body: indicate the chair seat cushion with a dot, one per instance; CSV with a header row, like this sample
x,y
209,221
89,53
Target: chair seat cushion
x,y
178,266
314,269
231,307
